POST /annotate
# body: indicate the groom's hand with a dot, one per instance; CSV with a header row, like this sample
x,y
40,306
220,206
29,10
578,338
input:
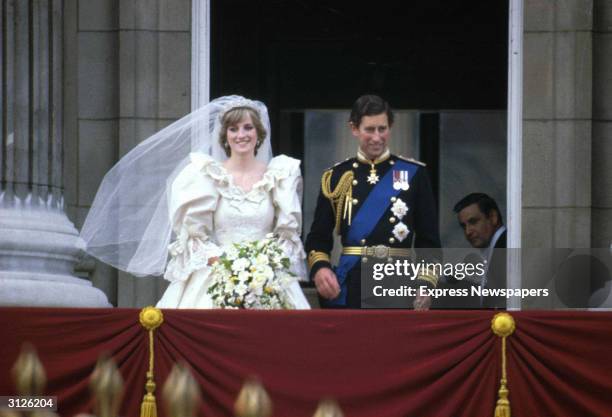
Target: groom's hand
x,y
327,283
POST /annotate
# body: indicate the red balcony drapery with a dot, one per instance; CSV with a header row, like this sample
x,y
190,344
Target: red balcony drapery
x,y
374,363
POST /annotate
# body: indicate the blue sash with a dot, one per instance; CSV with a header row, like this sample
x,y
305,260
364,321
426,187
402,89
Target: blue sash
x,y
364,222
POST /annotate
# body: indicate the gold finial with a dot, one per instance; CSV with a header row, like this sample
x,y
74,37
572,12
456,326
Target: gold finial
x,y
28,372
328,408
151,317
503,324
253,401
181,392
106,385
30,379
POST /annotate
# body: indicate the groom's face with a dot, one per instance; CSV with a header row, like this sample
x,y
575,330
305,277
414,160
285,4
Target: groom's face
x,y
373,134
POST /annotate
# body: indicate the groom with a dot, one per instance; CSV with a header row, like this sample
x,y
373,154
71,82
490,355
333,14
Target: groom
x,y
388,197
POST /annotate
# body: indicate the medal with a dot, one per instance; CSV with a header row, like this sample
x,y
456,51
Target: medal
x,y
400,180
373,177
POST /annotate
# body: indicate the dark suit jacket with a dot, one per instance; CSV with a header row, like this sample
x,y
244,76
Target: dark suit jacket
x,y
496,274
496,279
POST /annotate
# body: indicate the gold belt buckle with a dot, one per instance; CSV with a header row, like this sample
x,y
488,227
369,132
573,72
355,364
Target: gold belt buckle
x,y
381,251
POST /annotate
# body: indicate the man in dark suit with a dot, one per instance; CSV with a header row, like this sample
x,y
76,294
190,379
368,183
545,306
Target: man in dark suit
x,y
483,226
379,203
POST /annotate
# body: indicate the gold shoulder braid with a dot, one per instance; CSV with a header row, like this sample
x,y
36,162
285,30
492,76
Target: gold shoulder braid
x,y
341,197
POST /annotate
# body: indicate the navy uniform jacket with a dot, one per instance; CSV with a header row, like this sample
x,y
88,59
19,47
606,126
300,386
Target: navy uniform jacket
x,y
421,218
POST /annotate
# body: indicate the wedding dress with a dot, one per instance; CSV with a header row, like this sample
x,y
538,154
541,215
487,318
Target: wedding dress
x,y
209,213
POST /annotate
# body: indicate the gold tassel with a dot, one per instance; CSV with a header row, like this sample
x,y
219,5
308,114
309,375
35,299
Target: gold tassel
x,y
150,318
503,326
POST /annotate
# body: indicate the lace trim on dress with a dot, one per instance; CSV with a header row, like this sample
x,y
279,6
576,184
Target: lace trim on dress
x,y
189,253
279,168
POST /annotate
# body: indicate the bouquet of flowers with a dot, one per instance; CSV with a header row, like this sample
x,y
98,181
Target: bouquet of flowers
x,y
252,275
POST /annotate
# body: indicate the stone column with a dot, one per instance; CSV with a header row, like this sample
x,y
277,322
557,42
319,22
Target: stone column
x,y
154,91
557,98
557,123
39,246
602,125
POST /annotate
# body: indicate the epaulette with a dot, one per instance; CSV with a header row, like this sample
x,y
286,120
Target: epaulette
x,y
414,161
337,164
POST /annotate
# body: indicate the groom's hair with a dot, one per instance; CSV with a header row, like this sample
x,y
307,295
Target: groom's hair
x,y
370,105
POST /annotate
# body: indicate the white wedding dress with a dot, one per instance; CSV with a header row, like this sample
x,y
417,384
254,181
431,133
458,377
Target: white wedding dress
x,y
209,212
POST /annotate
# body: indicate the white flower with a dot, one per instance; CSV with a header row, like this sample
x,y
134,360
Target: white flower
x,y
261,259
244,276
250,298
399,208
266,271
240,264
229,286
257,290
260,276
232,253
223,272
400,231
253,278
277,259
241,289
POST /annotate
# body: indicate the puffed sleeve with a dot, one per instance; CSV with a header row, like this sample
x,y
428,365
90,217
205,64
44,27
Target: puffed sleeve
x,y
286,195
193,200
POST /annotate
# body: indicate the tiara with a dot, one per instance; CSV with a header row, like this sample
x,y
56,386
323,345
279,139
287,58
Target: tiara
x,y
239,101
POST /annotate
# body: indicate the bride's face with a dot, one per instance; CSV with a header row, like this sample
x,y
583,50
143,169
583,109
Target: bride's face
x,y
242,136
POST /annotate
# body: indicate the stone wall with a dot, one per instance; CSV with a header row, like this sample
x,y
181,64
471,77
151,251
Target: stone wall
x,y
557,123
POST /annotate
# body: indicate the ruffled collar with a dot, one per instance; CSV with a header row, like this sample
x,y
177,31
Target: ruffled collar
x,y
225,181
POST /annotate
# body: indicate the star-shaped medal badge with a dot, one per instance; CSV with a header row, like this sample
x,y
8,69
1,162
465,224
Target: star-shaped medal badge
x,y
373,178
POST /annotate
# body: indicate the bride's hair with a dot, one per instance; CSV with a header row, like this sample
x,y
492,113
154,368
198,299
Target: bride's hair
x,y
235,116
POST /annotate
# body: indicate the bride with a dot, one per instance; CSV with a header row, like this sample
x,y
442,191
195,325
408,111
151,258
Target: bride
x,y
222,188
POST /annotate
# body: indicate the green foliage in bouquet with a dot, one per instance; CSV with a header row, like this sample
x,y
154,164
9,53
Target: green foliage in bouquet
x,y
253,275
